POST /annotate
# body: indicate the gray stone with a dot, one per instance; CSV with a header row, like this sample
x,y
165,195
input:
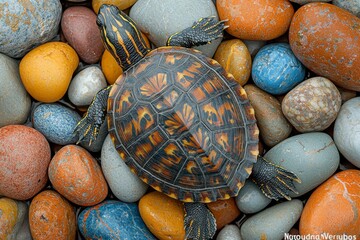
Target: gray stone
x,y
302,2
26,24
273,222
160,19
21,228
15,102
124,184
254,46
352,6
250,198
229,232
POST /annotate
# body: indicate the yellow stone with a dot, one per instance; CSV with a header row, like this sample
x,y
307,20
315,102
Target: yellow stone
x,y
121,4
8,217
164,216
46,71
110,67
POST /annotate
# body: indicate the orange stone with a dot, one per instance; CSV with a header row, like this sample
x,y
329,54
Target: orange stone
x,y
76,175
8,217
334,207
225,211
164,216
110,67
51,217
121,4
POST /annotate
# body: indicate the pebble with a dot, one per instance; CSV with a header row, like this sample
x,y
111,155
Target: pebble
x,y
78,25
347,131
15,101
77,176
273,222
318,47
121,4
85,85
224,211
251,199
46,71
334,207
247,22
352,6
20,21
313,157
117,173
12,217
254,46
235,58
56,122
164,216
110,67
312,105
175,17
229,232
113,220
276,70
271,121
302,2
24,158
51,217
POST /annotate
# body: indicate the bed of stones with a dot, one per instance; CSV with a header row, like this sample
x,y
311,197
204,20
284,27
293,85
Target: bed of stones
x,y
299,62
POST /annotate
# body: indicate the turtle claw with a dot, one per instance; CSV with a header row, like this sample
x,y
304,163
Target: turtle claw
x,y
86,128
199,222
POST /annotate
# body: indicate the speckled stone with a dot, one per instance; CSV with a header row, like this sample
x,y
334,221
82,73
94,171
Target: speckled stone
x,y
251,199
117,173
302,2
273,222
12,217
175,16
15,101
352,6
113,220
56,122
20,21
229,232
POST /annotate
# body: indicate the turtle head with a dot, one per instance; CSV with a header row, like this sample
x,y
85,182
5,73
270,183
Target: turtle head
x,y
121,36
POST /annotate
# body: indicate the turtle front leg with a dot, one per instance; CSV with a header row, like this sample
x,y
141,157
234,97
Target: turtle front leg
x,y
94,117
274,181
199,222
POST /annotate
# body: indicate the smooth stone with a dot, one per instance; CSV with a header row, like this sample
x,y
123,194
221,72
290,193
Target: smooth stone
x,y
224,211
254,46
175,17
276,70
271,121
352,6
347,131
113,220
334,207
164,216
24,231
273,222
12,216
96,145
56,122
15,102
302,2
78,25
24,159
121,4
77,176
251,199
124,184
110,67
85,85
52,217
26,24
313,157
229,232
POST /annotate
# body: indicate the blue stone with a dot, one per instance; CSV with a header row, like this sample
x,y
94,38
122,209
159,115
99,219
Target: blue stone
x,y
56,122
276,70
113,220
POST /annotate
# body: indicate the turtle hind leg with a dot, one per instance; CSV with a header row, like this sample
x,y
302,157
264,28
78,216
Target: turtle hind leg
x,y
199,222
200,33
274,181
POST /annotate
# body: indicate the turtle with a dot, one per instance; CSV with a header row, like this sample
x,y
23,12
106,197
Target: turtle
x,y
180,121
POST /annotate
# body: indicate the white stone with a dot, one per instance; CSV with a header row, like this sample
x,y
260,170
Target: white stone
x,y
229,232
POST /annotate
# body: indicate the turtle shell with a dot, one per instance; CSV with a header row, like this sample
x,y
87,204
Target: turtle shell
x,y
184,125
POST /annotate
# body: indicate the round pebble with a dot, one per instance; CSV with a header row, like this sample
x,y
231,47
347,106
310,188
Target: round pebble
x,y
317,33
121,4
334,207
312,105
273,222
256,19
12,217
110,67
251,199
175,16
56,122
276,70
85,85
347,131
15,101
46,71
24,158
78,25
113,220
51,217
224,211
76,175
271,121
352,6
164,216
229,232
20,21
117,173
313,157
